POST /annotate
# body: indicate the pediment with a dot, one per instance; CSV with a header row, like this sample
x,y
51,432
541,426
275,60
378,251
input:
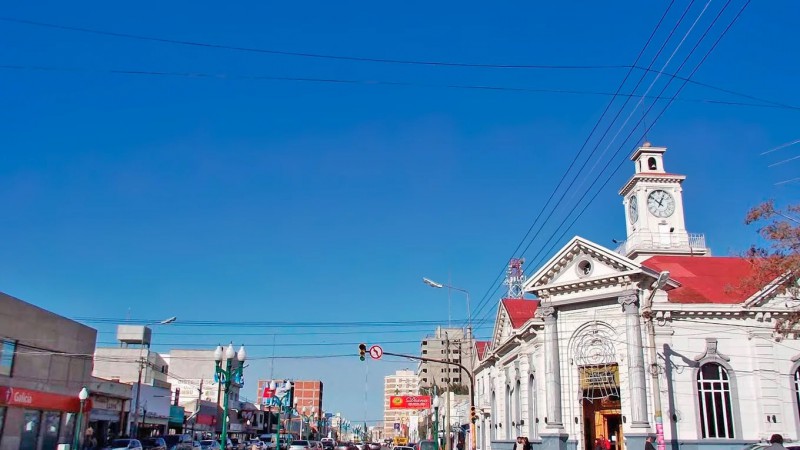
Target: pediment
x,y
503,327
773,297
579,265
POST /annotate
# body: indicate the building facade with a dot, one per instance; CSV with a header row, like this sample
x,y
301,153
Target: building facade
x,y
615,330
448,344
396,422
45,361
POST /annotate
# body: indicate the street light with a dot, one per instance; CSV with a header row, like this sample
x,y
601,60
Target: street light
x,y
436,422
226,376
82,396
647,312
436,285
304,418
273,386
142,365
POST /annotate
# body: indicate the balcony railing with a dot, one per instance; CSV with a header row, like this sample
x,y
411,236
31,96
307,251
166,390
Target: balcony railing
x,y
663,241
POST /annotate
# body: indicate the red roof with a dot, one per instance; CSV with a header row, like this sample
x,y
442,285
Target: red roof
x,y
481,347
520,310
705,279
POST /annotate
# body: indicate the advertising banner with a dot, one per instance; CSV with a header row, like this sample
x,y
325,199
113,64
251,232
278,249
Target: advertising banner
x,y
410,402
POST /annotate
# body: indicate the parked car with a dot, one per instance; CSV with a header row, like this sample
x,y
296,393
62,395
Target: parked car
x,y
374,446
328,443
208,444
300,445
180,442
125,444
154,443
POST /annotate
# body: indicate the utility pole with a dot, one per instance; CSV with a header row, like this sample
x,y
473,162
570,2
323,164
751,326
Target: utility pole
x,y
447,445
135,421
197,405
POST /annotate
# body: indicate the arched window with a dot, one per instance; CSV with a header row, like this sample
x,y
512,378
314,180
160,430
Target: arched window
x,y
797,388
651,163
714,398
532,407
507,419
493,425
518,407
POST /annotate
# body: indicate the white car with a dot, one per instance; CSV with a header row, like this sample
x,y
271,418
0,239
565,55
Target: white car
x,y
300,445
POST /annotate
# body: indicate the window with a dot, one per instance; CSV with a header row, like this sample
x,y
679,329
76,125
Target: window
x,y
507,420
518,406
424,342
7,356
456,380
424,370
532,406
796,387
714,398
493,425
424,352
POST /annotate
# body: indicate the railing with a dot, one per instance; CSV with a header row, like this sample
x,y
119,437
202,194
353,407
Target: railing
x,y
663,241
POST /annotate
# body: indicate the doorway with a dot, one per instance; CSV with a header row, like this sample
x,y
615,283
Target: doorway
x,y
602,419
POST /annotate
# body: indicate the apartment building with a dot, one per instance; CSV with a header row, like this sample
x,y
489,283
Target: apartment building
x,y
397,421
446,344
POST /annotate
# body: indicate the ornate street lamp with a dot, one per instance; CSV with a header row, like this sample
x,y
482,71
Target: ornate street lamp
x,y
273,386
82,396
226,376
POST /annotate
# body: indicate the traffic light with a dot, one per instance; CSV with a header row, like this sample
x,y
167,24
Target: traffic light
x,y
362,350
472,415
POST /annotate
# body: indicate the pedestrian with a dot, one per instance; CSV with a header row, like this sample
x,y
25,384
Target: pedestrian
x,y
520,445
528,445
598,444
648,443
776,443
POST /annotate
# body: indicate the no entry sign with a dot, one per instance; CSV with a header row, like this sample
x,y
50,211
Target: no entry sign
x,y
375,352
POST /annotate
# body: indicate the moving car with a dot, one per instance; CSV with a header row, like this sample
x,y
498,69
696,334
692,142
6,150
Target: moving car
x,y
328,443
125,444
154,443
300,445
180,442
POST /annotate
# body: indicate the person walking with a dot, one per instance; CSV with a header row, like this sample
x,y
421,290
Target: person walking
x,y
648,443
528,445
776,443
520,445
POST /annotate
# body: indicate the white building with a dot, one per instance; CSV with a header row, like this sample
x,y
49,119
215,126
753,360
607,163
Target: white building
x,y
580,367
396,422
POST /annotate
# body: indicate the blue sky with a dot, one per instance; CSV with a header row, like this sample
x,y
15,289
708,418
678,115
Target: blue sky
x,y
232,198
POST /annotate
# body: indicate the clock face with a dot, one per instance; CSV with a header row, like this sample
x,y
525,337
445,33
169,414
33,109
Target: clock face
x,y
660,203
633,210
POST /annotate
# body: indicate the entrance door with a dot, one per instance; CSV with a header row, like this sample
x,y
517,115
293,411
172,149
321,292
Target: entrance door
x,y
614,430
602,420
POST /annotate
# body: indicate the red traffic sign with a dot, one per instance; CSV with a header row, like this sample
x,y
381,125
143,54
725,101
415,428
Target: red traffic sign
x,y
375,352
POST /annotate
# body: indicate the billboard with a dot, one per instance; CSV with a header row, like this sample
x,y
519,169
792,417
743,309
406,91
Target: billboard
x,y
409,402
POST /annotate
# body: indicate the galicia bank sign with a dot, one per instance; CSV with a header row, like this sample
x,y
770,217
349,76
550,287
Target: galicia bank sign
x,y
38,399
22,398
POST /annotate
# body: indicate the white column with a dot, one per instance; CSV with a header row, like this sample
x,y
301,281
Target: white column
x,y
552,367
636,371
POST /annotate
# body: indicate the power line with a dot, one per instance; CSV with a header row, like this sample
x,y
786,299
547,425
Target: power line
x,y
367,59
585,207
342,81
490,293
565,230
307,54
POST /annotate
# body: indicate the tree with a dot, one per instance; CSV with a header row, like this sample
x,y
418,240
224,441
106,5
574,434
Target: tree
x,y
779,257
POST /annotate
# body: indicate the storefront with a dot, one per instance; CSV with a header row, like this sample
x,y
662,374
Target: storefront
x,y
106,418
36,420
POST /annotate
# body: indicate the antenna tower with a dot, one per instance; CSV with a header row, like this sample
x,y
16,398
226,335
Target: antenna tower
x,y
515,277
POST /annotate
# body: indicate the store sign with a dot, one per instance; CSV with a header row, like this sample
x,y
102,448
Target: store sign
x,y
42,400
409,402
176,414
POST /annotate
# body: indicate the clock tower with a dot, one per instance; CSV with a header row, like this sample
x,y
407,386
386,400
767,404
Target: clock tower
x,y
653,201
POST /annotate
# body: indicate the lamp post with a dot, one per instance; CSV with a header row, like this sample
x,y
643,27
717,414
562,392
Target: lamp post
x,y
436,422
82,396
226,376
305,418
647,312
273,387
142,366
